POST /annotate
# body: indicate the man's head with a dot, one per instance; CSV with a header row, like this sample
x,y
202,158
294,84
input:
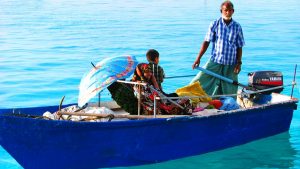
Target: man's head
x,y
227,10
152,56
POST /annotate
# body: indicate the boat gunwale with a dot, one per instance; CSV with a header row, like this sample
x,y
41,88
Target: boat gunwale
x,y
149,121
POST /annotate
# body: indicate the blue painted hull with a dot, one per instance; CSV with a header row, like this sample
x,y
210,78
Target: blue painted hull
x,y
38,143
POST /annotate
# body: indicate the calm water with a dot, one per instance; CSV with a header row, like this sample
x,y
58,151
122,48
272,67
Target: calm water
x,y
47,45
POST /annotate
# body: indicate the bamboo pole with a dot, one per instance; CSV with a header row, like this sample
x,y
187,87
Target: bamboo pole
x,y
116,115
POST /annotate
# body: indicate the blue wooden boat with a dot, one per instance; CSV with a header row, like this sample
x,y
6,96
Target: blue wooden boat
x,y
41,143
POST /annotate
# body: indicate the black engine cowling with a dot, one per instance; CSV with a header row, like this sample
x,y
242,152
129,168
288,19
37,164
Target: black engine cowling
x,y
266,79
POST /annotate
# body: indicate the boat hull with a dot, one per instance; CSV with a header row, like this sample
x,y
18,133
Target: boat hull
x,y
38,143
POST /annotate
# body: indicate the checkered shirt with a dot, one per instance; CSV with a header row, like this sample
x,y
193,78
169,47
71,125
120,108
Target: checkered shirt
x,y
158,72
226,39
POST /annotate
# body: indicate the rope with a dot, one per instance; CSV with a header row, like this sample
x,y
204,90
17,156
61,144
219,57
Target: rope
x,y
243,93
173,77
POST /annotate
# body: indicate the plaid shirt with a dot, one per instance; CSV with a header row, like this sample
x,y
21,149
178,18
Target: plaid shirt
x,y
158,72
226,40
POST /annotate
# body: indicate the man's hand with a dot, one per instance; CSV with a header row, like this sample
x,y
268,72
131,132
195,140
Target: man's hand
x,y
196,64
237,68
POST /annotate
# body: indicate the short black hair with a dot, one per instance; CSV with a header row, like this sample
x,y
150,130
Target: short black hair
x,y
152,54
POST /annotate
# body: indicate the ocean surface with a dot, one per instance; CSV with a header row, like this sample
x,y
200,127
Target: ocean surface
x,y
47,45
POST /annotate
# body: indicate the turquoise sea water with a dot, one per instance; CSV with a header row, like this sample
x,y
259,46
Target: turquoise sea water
x,y
47,45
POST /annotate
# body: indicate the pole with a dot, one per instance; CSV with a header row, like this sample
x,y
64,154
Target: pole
x,y
99,99
139,100
165,97
294,81
154,106
222,77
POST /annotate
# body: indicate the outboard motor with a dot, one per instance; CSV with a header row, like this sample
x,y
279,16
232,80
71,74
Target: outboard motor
x,y
266,79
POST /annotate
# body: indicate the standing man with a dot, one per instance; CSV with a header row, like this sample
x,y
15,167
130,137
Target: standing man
x,y
227,39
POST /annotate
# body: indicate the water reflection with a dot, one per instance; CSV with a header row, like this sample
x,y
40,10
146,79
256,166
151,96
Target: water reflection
x,y
272,152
